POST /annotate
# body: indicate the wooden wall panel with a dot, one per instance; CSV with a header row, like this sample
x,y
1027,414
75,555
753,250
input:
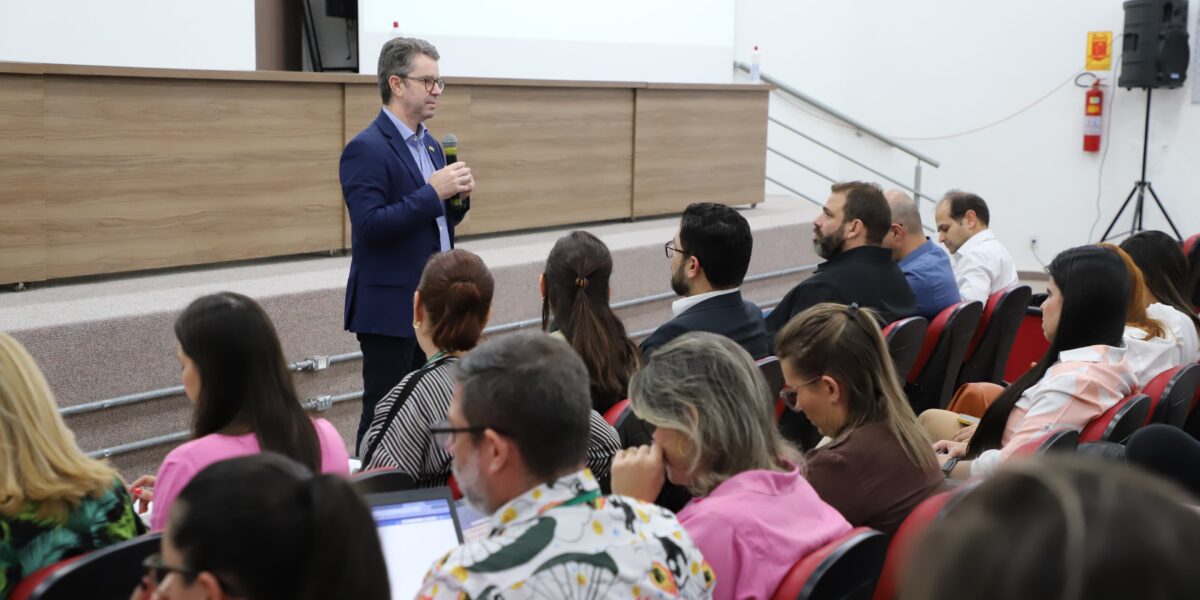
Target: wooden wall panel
x,y
157,173
22,180
548,156
698,146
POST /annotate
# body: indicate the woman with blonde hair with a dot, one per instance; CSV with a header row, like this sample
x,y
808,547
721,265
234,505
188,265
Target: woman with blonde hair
x,y
754,515
880,464
55,502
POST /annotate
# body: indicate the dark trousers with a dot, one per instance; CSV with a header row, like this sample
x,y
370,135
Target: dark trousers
x,y
386,360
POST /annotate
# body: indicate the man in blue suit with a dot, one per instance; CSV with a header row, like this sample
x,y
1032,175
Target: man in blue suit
x,y
404,202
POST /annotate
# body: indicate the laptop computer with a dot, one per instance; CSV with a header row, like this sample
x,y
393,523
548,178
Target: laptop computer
x,y
416,527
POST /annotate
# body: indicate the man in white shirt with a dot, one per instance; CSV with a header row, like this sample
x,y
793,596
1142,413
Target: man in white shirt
x,y
982,265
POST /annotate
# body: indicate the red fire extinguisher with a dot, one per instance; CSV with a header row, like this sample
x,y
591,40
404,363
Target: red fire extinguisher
x,y
1092,118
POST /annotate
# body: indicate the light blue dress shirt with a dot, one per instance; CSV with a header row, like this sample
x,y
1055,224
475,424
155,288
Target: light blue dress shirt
x,y
931,278
420,153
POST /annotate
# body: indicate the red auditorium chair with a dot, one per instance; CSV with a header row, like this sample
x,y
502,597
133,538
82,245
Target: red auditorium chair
x,y
25,588
931,381
914,526
380,481
1029,345
616,414
1171,394
987,355
846,568
1119,422
111,572
904,340
1065,439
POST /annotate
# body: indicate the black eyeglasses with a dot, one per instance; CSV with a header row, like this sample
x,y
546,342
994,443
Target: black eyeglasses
x,y
443,433
669,249
429,82
157,571
789,394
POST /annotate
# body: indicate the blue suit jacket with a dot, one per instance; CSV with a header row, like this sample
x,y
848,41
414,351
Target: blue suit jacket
x,y
393,222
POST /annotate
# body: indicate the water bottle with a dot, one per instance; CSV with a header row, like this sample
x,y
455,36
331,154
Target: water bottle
x,y
755,58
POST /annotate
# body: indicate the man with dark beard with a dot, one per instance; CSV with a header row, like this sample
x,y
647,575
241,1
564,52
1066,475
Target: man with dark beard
x,y
709,257
848,234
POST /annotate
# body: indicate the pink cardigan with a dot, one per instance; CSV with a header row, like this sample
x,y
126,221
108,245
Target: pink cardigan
x,y
187,460
755,526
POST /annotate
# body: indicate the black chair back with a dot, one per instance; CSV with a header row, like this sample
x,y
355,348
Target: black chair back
x,y
988,353
381,481
109,573
904,340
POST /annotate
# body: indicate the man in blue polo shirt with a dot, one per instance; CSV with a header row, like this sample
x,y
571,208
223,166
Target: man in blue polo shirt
x,y
927,267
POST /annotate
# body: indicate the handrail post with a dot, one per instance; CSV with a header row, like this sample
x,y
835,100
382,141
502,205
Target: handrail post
x,y
917,183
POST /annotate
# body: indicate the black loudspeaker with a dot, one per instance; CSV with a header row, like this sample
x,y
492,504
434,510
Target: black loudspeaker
x,y
1155,45
348,9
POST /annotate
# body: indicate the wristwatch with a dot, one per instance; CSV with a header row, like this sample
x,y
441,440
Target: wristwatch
x,y
948,466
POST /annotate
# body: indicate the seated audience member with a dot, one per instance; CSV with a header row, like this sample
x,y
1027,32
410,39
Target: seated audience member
x,y
1161,260
926,267
235,373
55,502
1151,347
880,464
1169,452
517,429
754,514
982,265
451,307
575,292
262,527
848,234
1083,373
709,258
1061,527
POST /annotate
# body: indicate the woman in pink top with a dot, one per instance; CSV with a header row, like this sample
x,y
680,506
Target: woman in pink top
x,y
754,515
1082,374
234,371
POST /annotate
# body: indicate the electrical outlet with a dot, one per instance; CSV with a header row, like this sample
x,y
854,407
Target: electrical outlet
x,y
1033,242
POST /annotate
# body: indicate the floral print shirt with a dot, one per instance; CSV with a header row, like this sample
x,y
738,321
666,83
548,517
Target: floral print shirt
x,y
28,543
565,540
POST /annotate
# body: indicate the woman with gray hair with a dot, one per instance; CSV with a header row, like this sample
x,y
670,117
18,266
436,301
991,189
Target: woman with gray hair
x,y
754,514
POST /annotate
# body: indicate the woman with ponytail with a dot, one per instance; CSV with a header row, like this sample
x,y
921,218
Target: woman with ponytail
x,y
575,292
879,465
262,527
1082,374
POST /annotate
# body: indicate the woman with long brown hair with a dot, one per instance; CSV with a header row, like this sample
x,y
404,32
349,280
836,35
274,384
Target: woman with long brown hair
x,y
575,292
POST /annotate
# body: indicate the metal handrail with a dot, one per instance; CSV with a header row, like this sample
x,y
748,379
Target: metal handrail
x,y
904,186
311,364
840,116
180,436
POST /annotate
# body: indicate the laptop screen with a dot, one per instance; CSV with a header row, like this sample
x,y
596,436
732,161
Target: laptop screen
x,y
415,528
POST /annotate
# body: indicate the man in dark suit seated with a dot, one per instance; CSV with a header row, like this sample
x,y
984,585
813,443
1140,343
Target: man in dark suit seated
x,y
848,234
709,257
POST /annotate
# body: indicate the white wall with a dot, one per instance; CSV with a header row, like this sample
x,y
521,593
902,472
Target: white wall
x,y
176,34
615,40
929,68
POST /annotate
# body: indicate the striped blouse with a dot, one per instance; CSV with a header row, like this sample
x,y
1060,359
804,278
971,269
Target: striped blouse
x,y
407,445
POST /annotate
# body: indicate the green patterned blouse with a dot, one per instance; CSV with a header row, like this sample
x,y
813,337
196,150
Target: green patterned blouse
x,y
28,543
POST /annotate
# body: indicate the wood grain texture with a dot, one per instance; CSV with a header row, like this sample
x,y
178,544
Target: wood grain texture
x,y
150,174
698,146
540,156
22,180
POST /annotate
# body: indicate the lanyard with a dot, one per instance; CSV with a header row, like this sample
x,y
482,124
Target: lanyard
x,y
580,499
436,357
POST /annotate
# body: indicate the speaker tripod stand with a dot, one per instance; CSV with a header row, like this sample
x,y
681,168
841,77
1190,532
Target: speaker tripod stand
x,y
1140,187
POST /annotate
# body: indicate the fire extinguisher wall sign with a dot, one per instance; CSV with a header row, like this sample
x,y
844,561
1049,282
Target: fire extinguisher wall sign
x,y
1093,112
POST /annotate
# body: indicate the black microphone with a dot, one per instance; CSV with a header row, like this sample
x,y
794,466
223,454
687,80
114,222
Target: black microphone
x,y
450,147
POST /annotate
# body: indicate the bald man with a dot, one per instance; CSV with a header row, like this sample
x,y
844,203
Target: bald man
x,y
927,267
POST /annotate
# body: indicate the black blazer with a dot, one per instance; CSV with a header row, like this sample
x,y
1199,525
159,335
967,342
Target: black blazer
x,y
866,275
726,315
